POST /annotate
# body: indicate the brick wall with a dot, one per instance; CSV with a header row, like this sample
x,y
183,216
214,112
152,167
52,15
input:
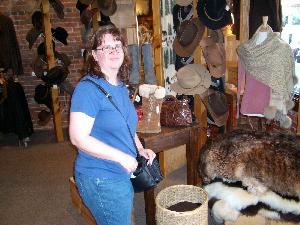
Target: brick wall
x,y
20,12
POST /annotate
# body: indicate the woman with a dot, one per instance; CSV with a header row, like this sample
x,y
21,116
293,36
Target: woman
x,y
106,153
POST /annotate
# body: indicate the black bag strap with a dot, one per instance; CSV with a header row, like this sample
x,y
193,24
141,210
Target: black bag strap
x,y
109,97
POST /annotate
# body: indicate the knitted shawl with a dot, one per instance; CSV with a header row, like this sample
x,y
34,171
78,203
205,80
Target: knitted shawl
x,y
271,62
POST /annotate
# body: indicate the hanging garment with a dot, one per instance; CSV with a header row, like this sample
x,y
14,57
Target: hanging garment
x,y
256,95
10,56
260,8
14,113
270,62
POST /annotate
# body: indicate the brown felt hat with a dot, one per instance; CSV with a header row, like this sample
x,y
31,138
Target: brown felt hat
x,y
188,37
215,56
107,7
192,79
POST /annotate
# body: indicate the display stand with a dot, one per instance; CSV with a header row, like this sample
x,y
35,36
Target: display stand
x,y
51,63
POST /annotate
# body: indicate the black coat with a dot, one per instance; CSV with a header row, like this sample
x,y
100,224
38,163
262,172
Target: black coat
x,y
10,57
14,113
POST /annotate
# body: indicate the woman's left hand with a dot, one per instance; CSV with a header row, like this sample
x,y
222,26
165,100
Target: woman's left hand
x,y
148,154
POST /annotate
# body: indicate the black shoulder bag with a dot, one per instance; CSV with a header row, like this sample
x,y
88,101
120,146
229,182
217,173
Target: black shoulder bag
x,y
145,177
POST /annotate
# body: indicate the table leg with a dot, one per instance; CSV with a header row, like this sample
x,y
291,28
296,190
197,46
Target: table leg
x,y
149,207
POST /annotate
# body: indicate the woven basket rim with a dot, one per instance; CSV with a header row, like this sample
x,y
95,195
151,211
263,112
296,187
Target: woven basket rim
x,y
167,189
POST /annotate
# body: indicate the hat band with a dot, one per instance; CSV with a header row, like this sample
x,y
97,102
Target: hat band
x,y
216,20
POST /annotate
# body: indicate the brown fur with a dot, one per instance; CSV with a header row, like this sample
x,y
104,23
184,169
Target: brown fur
x,y
260,160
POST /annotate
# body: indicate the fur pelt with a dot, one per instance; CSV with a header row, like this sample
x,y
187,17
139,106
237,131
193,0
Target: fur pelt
x,y
232,201
261,161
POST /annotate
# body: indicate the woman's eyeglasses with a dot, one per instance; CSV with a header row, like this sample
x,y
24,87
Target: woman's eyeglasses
x,y
109,49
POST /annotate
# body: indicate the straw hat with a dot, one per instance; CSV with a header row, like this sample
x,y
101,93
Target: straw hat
x,y
192,79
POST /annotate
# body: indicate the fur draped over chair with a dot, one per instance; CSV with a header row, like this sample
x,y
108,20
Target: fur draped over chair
x,y
267,166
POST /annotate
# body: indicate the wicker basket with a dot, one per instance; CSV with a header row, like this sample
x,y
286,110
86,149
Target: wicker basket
x,y
181,193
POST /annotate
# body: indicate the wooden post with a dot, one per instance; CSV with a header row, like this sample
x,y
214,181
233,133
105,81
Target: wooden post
x,y
244,20
157,39
199,107
51,63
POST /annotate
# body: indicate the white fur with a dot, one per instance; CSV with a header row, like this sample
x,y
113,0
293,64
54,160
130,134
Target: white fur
x,y
269,214
237,198
222,211
234,199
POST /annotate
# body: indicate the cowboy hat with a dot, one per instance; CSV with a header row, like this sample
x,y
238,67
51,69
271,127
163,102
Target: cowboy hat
x,y
215,14
42,95
60,34
183,2
192,79
215,56
107,7
187,37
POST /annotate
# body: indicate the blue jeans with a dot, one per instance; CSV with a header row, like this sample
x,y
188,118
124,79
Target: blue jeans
x,y
134,77
110,201
150,77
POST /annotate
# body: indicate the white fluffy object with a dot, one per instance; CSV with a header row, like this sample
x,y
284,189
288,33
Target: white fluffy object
x,y
235,199
145,90
222,211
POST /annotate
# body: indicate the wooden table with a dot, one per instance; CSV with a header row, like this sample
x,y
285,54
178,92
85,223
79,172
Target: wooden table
x,y
169,138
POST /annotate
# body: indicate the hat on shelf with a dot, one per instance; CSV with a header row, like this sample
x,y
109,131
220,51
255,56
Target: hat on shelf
x,y
60,34
58,7
188,37
183,2
192,79
215,14
215,56
107,7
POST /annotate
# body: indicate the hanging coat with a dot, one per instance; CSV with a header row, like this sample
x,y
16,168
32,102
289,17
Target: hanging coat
x,y
14,113
10,57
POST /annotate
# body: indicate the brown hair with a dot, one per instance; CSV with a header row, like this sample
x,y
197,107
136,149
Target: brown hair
x,y
92,67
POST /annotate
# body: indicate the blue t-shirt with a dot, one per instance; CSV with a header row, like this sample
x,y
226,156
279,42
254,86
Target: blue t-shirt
x,y
109,126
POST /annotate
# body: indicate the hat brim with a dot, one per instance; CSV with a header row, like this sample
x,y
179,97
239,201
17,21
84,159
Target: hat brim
x,y
213,24
183,2
203,85
199,89
188,50
109,11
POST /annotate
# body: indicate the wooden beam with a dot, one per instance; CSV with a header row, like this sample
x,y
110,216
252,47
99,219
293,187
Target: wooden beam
x,y
51,63
157,37
244,20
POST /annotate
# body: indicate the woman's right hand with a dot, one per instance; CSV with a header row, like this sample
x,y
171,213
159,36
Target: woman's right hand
x,y
129,163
